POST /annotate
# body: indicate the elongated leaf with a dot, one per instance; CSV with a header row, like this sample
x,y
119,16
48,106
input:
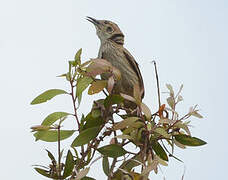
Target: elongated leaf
x,y
52,135
43,172
85,136
92,121
46,173
171,102
97,86
112,150
82,84
69,165
51,118
113,99
188,140
110,85
105,165
50,155
146,111
126,122
82,173
170,88
47,95
77,57
159,150
98,66
162,132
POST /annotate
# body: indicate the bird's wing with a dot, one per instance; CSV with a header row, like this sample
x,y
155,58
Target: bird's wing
x,y
135,67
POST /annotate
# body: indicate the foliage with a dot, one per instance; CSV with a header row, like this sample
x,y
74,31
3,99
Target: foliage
x,y
155,135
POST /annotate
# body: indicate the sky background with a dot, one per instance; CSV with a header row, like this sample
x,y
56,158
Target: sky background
x,y
188,39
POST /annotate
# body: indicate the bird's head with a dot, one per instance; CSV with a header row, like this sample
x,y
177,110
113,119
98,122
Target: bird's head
x,y
107,30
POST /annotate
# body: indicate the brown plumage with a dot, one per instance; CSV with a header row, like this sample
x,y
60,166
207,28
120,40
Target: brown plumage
x,y
111,49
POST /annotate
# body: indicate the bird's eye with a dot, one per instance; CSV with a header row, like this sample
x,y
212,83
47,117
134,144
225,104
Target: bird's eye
x,y
109,29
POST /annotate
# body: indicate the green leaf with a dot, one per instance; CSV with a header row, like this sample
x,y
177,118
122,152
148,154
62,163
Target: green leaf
x,y
97,86
77,57
52,135
188,140
92,121
162,132
50,155
126,122
82,84
113,99
105,165
47,95
43,172
85,136
69,165
158,149
51,118
112,150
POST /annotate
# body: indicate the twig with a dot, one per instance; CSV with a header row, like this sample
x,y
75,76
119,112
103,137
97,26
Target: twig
x,y
157,80
73,99
59,160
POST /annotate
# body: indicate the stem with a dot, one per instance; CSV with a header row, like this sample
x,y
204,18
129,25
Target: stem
x,y
74,99
59,160
157,80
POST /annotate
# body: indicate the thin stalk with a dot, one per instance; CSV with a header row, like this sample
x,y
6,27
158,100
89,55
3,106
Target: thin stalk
x,y
157,80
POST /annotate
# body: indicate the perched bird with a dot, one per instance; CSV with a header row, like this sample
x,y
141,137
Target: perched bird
x,y
111,49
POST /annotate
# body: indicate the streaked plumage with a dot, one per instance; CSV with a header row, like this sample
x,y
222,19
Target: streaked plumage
x,y
111,49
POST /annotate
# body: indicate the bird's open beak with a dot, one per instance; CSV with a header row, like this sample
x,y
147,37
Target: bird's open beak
x,y
94,21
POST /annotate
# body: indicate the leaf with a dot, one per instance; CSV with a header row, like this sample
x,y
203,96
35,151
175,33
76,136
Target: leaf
x,y
97,86
151,167
179,144
127,97
113,99
126,122
92,120
162,132
47,95
69,165
111,83
183,126
112,150
146,111
82,84
170,88
171,102
166,121
43,172
188,140
196,114
40,128
52,135
159,150
105,165
160,111
77,56
51,118
124,136
179,99
50,155
98,66
85,136
82,173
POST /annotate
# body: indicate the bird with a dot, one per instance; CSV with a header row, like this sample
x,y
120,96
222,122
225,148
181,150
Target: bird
x,y
112,49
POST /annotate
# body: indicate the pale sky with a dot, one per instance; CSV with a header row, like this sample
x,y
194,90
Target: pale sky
x,y
188,39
